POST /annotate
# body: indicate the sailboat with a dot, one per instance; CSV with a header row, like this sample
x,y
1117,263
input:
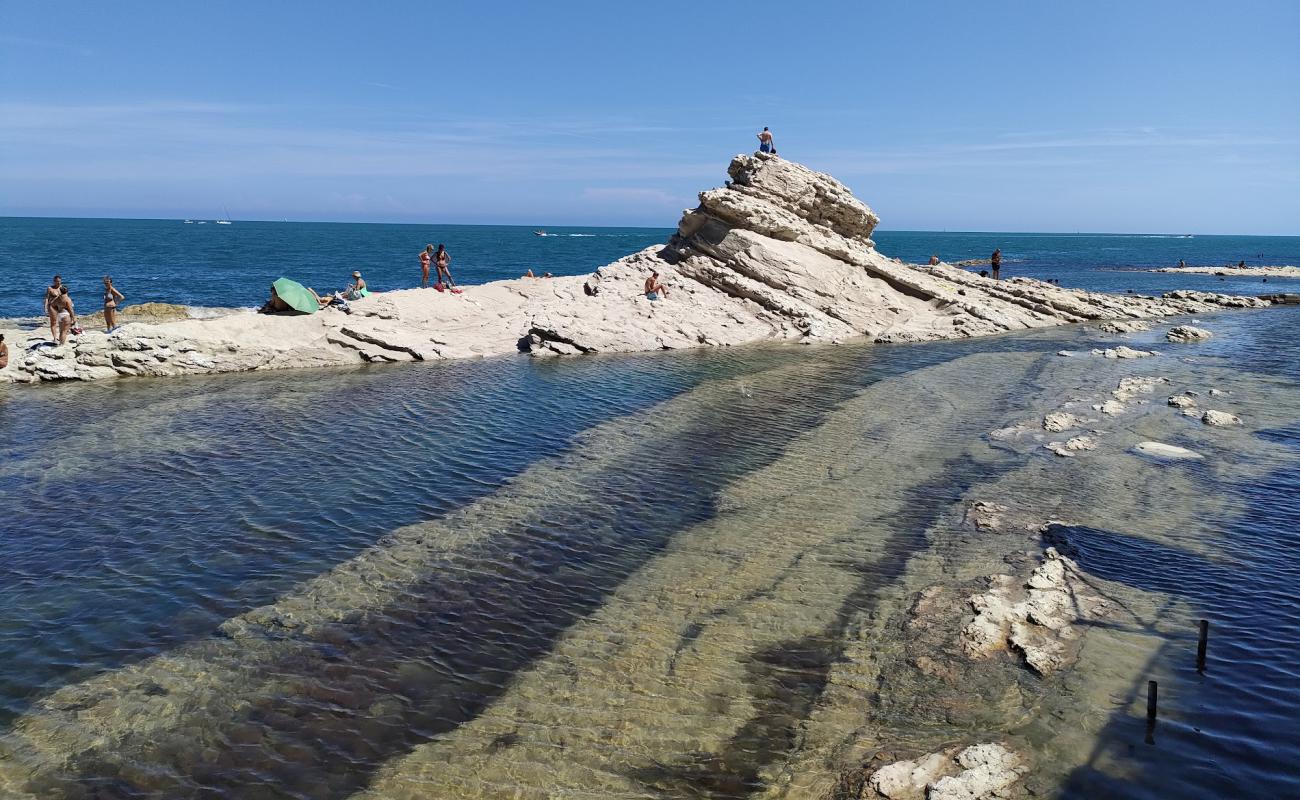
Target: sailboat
x,y
226,219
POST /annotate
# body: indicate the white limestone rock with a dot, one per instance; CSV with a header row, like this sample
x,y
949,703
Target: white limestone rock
x,y
1166,452
1183,334
1220,419
979,772
1058,421
780,253
988,771
1124,352
1124,326
1182,401
1070,447
1035,618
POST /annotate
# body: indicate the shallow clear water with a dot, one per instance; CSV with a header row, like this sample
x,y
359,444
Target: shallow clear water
x,y
637,573
233,265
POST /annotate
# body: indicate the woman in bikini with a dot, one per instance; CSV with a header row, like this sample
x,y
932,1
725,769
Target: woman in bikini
x,y
443,261
426,256
65,314
52,294
111,298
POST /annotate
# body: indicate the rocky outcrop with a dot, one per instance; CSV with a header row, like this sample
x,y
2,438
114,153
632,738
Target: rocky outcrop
x,y
1220,419
1166,452
978,772
1124,352
1034,618
1072,446
1183,334
779,253
1238,272
1124,326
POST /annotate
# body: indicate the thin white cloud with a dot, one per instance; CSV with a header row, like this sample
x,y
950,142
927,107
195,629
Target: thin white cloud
x,y
44,44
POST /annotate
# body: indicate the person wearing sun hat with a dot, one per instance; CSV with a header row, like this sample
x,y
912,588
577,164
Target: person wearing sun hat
x,y
358,289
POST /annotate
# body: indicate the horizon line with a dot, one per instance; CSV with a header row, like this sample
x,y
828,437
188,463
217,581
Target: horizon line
x,y
540,226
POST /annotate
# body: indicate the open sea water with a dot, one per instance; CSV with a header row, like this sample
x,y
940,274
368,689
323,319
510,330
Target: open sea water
x,y
207,264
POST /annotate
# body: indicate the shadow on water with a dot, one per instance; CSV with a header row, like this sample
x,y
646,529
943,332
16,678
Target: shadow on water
x,y
1229,732
375,688
786,681
372,689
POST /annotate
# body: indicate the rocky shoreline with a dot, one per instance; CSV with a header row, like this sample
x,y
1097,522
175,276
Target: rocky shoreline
x,y
780,253
1237,272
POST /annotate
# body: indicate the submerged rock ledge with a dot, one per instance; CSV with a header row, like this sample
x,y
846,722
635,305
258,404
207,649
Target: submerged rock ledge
x,y
780,253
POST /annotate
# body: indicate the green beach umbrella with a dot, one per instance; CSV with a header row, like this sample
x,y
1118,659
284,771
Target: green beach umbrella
x,y
297,296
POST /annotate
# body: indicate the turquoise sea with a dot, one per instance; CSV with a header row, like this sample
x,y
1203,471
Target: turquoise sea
x,y
233,265
643,575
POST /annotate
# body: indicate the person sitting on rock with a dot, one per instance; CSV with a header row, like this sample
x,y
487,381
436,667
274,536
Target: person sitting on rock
x,y
357,289
4,352
655,287
934,261
765,143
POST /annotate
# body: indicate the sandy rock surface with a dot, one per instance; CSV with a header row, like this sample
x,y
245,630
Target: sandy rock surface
x,y
780,253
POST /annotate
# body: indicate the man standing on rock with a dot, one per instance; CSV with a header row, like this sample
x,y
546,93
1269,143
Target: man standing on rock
x,y
765,143
996,263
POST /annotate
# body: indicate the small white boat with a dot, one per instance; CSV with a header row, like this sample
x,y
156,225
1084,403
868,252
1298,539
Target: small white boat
x,y
203,222
540,233
226,219
189,222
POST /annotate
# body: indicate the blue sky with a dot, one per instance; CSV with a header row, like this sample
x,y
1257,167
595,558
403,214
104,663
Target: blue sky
x,y
1032,116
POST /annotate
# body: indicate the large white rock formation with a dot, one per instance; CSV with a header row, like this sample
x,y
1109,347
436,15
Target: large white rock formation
x,y
781,252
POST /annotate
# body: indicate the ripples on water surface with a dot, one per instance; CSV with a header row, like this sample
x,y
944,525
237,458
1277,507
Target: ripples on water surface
x,y
542,513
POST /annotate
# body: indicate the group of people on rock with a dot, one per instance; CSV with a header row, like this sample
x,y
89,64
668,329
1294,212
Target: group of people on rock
x,y
62,311
439,258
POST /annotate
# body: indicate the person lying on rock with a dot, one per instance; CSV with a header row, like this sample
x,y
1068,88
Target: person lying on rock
x,y
655,287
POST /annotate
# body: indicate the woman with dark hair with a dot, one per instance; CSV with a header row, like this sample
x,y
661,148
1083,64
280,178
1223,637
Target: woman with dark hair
x,y
443,261
111,298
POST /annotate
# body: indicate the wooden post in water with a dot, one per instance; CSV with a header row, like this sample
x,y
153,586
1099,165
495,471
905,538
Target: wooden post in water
x,y
1201,645
1151,712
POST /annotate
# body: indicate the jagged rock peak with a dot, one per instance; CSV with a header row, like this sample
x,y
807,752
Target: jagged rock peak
x,y
785,201
812,196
